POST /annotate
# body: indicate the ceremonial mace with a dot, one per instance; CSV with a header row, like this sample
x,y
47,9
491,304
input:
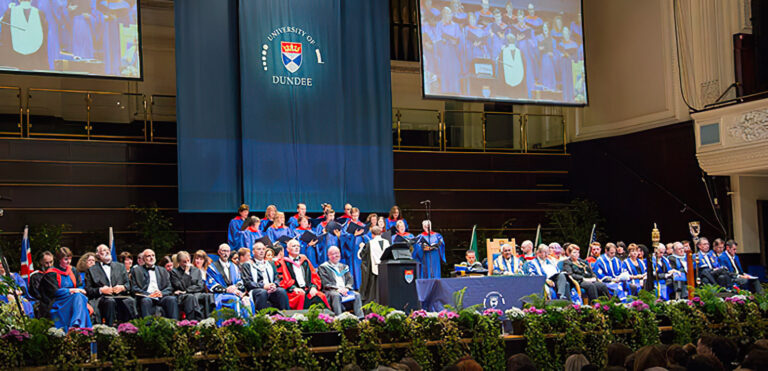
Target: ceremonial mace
x,y
651,284
695,228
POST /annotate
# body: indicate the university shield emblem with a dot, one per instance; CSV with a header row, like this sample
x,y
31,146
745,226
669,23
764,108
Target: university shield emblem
x,y
409,275
291,53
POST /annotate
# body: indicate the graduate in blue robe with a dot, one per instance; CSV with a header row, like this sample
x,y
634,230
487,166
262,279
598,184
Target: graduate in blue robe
x,y
223,280
350,244
309,249
448,56
394,216
301,211
430,255
401,234
116,12
278,229
609,269
269,218
236,224
248,234
635,267
326,238
570,53
62,294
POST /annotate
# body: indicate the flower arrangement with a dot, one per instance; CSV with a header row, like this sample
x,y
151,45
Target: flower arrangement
x,y
374,318
515,314
127,328
233,322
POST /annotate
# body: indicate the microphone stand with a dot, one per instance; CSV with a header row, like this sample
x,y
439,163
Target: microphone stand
x,y
427,209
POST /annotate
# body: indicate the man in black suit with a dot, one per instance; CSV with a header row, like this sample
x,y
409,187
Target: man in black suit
x,y
337,284
152,286
187,282
107,283
262,281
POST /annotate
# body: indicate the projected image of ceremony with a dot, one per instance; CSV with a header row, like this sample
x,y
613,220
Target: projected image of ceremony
x,y
504,50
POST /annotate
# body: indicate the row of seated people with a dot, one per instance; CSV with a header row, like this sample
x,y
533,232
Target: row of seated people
x,y
607,274
109,292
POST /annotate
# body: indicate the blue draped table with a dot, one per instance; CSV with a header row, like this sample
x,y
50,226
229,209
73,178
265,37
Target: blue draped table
x,y
500,292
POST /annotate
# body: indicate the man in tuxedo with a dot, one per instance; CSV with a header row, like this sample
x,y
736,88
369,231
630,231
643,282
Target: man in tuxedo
x,y
300,280
337,283
107,283
739,278
262,281
152,287
187,283
370,256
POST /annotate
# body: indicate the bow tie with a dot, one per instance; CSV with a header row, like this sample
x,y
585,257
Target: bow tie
x,y
150,268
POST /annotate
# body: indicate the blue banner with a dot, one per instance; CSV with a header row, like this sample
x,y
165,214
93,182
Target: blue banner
x,y
316,104
499,292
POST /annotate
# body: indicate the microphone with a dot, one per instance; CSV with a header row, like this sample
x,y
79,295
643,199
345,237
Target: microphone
x,y
425,202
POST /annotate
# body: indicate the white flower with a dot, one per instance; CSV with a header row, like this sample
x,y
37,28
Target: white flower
x,y
299,317
105,330
742,297
432,314
396,313
56,332
208,322
515,313
346,316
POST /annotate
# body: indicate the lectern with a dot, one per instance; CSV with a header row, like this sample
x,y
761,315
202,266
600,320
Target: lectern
x,y
397,278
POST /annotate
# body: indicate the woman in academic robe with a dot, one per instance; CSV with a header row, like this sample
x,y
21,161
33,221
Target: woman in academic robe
x,y
116,13
401,235
497,31
248,235
571,52
278,229
394,216
528,45
370,221
476,39
429,250
448,55
300,280
636,269
327,238
236,224
309,249
350,244
62,294
546,46
269,218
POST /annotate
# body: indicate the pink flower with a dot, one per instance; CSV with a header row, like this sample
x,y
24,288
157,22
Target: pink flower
x,y
639,305
421,313
447,314
186,323
606,308
233,322
325,318
16,335
278,317
127,328
492,312
533,310
81,331
374,316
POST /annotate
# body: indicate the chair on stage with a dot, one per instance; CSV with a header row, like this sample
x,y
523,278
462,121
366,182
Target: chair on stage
x,y
493,248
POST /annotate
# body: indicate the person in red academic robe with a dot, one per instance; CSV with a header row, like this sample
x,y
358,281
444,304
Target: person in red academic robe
x,y
300,279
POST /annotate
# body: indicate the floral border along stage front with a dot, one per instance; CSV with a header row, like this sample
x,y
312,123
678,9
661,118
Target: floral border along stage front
x,y
268,340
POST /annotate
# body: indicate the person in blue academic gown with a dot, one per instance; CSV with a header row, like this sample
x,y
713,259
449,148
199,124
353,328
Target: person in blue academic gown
x,y
62,294
429,250
278,229
536,24
347,214
528,45
459,15
248,234
448,57
394,215
116,13
82,30
301,211
739,277
610,270
496,36
236,224
636,269
269,218
22,293
309,249
546,46
476,40
327,238
570,52
485,14
401,235
663,272
223,280
350,245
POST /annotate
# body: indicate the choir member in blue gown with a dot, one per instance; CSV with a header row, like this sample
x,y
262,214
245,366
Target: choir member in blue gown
x,y
62,294
571,52
497,31
22,292
428,11
485,14
576,29
394,216
269,218
459,15
116,12
476,40
610,270
350,245
401,234
636,269
526,42
82,30
510,15
236,224
327,239
448,57
429,38
429,250
663,272
347,214
310,249
372,220
223,280
59,28
279,229
248,234
301,211
535,23
546,45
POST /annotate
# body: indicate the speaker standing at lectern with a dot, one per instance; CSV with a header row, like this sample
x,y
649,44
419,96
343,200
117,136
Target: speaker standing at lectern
x,y
370,256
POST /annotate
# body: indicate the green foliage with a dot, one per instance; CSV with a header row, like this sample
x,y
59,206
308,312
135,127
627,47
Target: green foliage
x,y
377,308
155,230
713,305
487,346
47,236
154,335
534,300
573,222
313,323
287,348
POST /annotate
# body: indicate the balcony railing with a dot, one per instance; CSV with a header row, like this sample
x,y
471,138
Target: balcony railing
x,y
136,117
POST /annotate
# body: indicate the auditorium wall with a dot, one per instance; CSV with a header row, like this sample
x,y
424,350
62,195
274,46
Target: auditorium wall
x,y
746,192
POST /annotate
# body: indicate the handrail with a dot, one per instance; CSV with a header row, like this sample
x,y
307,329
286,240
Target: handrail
x,y
20,124
152,113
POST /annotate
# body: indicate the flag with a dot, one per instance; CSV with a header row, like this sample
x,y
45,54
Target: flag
x,y
538,239
26,255
473,241
112,245
593,236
